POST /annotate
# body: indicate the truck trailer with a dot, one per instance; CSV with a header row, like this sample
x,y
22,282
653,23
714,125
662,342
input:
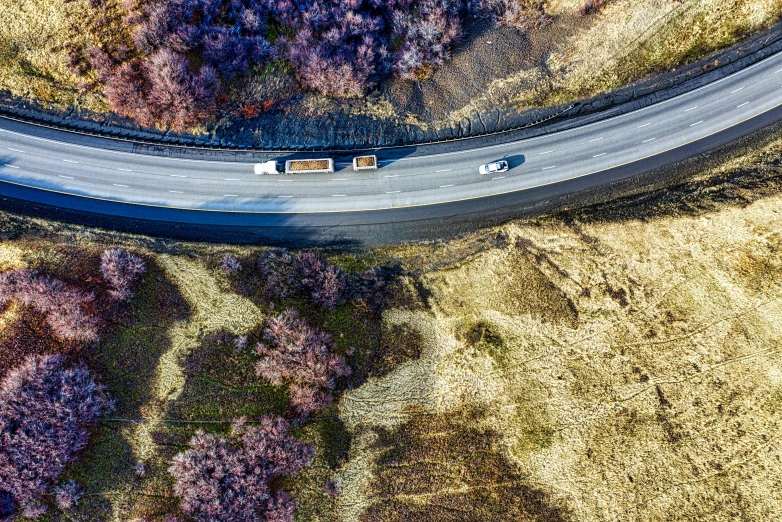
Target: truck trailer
x,y
306,166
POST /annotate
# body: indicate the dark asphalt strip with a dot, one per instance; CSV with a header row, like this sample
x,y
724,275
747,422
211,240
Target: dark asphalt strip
x,y
368,228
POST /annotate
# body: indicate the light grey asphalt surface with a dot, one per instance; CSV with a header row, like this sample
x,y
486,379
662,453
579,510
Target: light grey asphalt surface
x,y
59,165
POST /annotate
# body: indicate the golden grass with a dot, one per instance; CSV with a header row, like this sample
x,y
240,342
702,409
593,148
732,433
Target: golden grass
x,y
213,311
632,370
627,41
33,56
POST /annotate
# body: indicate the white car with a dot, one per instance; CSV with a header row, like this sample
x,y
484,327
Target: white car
x,y
491,168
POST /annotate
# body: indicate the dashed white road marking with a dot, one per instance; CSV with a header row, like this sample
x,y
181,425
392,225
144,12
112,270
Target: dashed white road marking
x,y
647,141
339,179
742,105
71,161
444,170
696,123
125,170
175,191
594,140
177,176
66,177
392,192
282,180
775,72
11,166
445,186
16,150
547,152
691,109
118,185
737,90
231,179
392,176
230,196
339,195
644,125
499,177
551,167
284,196
598,155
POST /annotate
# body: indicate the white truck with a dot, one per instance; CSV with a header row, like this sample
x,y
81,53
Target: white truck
x,y
301,166
365,163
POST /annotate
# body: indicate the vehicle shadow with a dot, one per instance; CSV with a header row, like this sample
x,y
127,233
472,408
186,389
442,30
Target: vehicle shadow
x,y
515,161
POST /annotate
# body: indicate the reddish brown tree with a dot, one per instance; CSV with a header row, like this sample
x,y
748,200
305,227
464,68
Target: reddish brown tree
x,y
299,355
67,309
232,479
121,270
46,409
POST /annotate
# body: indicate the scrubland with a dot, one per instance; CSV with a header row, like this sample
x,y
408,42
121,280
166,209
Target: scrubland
x,y
614,362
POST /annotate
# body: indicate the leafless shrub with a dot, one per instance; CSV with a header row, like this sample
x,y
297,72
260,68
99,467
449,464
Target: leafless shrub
x,y
121,270
68,495
590,7
222,480
45,410
276,268
230,265
299,355
67,309
326,283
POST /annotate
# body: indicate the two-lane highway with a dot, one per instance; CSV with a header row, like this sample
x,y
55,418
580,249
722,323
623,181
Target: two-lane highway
x,y
141,185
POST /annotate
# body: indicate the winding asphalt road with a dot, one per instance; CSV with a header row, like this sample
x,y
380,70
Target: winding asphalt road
x,y
76,172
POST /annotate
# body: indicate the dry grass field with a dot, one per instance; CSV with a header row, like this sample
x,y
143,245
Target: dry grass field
x,y
619,362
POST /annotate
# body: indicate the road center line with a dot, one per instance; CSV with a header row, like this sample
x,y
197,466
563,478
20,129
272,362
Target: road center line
x,y
542,153
598,155
551,167
644,125
71,161
647,141
737,90
696,123
691,109
66,177
742,105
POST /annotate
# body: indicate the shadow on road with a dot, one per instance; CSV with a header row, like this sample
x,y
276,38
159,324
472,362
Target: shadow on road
x,y
515,160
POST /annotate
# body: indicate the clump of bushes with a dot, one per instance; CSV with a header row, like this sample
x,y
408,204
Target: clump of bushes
x,y
68,310
183,54
298,355
46,409
121,270
325,283
233,479
590,7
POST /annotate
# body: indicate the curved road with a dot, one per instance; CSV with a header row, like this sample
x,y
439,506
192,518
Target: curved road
x,y
80,173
